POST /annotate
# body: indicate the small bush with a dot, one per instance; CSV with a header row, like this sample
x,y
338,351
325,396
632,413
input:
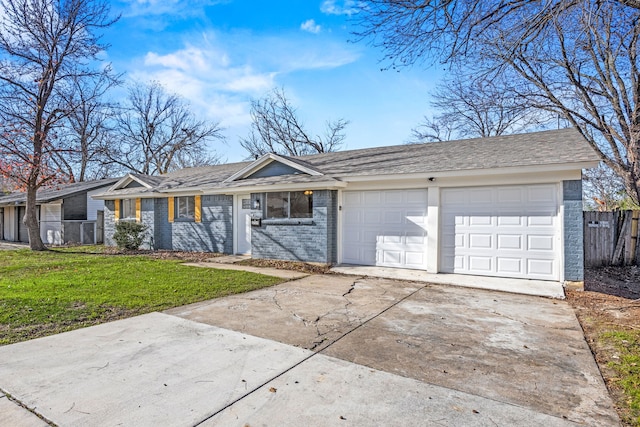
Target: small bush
x,y
129,235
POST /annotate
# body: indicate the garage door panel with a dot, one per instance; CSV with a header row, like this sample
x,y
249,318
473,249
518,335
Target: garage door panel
x,y
415,239
392,228
510,221
475,221
392,197
510,265
393,217
415,259
480,264
509,195
510,242
371,217
541,266
416,196
371,198
540,243
389,237
543,194
510,231
541,220
480,241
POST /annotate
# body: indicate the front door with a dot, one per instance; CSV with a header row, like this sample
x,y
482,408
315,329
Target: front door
x,y
243,218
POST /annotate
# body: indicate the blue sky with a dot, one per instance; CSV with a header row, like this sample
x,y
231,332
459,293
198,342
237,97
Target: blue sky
x,y
221,54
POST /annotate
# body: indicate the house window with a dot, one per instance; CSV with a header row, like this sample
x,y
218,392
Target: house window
x,y
128,209
185,207
289,204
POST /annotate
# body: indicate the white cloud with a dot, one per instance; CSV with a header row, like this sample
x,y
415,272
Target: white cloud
x,y
348,7
220,75
310,26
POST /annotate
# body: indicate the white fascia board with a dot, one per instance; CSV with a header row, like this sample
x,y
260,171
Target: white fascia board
x,y
332,185
264,161
126,180
473,172
107,196
385,183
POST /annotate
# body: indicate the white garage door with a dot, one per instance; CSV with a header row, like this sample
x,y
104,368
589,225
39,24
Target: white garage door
x,y
510,231
385,228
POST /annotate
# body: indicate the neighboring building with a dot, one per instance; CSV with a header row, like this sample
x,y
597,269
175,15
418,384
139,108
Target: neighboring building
x,y
507,206
67,214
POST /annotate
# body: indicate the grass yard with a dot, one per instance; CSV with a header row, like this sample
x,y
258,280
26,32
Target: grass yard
x,y
59,290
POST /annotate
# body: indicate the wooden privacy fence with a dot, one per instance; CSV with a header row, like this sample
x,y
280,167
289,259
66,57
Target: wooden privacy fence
x,y
611,238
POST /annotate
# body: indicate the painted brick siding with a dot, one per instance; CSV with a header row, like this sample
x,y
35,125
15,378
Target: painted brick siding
x,y
213,234
573,229
310,240
109,222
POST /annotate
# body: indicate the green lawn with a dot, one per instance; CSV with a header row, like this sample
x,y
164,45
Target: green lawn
x,y
42,293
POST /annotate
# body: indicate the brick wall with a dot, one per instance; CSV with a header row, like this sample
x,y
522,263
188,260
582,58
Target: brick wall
x,y
109,222
213,234
573,249
311,240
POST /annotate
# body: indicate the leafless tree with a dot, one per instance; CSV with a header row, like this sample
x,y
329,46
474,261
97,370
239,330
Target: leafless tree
x,y
605,191
473,107
574,58
44,46
276,128
87,129
156,133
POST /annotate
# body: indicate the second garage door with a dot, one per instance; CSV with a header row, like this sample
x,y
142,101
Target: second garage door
x,y
506,231
385,228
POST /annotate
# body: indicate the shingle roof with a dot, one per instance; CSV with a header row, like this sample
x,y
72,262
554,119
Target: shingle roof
x,y
539,148
46,195
563,146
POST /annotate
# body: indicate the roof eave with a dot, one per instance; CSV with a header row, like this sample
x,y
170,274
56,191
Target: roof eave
x,y
112,196
261,188
558,167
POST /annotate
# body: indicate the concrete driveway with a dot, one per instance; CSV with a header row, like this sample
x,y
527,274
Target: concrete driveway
x,y
322,350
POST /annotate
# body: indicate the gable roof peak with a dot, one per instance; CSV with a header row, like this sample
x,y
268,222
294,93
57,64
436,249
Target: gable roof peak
x,y
269,158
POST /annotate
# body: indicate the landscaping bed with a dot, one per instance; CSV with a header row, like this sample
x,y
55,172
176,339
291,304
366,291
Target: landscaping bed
x,y
609,312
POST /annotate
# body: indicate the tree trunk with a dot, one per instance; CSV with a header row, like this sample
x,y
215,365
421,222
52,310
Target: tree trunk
x,y
31,221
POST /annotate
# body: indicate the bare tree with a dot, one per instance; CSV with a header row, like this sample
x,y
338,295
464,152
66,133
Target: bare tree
x,y
156,133
87,130
472,107
604,190
44,46
276,128
574,58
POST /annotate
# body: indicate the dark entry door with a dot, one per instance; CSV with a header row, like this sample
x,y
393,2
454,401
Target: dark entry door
x,y
23,233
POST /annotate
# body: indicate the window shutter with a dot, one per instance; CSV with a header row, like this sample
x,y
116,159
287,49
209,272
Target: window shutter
x,y
197,211
138,210
171,208
116,209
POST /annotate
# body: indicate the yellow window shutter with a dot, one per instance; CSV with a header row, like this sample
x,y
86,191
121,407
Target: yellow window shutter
x,y
197,213
138,210
171,207
116,209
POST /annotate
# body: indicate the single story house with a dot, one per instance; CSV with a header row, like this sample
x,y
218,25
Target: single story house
x,y
507,206
67,214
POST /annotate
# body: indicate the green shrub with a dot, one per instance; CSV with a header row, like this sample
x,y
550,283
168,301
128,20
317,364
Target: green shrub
x,y
129,235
